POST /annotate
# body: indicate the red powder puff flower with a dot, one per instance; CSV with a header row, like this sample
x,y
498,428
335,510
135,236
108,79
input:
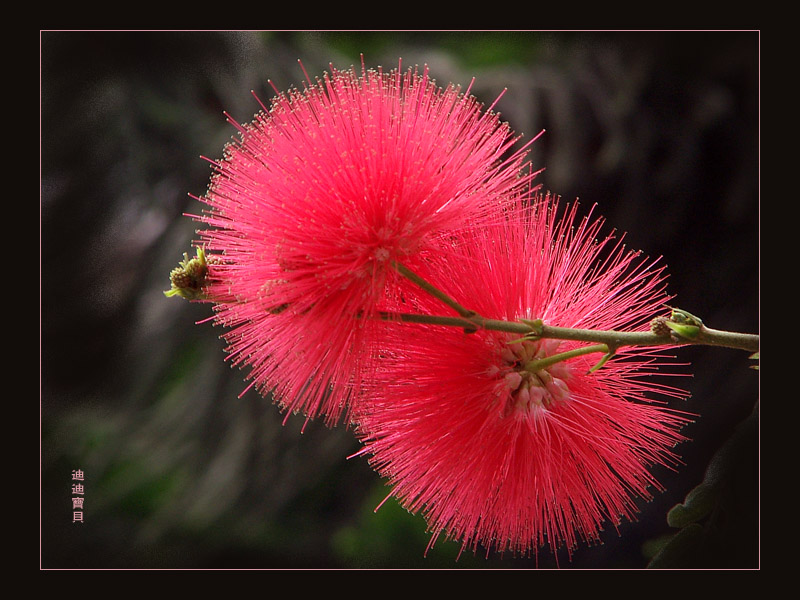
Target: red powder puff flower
x,y
499,451
322,193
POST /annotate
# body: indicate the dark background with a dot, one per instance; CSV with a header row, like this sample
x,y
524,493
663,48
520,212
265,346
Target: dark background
x,y
660,130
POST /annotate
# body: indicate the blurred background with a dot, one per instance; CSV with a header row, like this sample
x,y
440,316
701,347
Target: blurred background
x,y
660,130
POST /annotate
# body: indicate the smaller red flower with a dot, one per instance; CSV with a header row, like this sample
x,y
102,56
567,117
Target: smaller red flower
x,y
497,448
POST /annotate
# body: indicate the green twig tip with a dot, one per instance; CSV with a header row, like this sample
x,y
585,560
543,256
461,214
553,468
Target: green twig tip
x,y
687,332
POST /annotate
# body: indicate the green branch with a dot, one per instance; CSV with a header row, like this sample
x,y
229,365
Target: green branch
x,y
543,363
432,290
613,339
680,329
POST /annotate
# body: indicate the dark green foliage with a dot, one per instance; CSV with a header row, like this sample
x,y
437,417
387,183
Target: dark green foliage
x,y
717,522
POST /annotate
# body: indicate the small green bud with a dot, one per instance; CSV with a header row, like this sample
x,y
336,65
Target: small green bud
x,y
189,278
687,332
683,325
685,318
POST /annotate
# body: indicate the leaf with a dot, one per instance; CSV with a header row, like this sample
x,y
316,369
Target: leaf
x,y
698,504
684,544
718,520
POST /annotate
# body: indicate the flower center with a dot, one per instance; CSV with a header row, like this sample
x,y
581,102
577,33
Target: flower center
x,y
381,254
533,390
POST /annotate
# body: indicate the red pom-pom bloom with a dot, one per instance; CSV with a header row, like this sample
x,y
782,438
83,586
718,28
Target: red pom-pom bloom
x,y
321,194
497,448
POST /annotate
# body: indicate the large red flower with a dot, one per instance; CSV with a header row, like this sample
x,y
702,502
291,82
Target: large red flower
x,y
495,450
322,193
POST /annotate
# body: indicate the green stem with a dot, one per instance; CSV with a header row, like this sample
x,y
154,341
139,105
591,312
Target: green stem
x,y
432,290
680,329
683,330
694,332
728,339
610,338
472,323
543,363
705,337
